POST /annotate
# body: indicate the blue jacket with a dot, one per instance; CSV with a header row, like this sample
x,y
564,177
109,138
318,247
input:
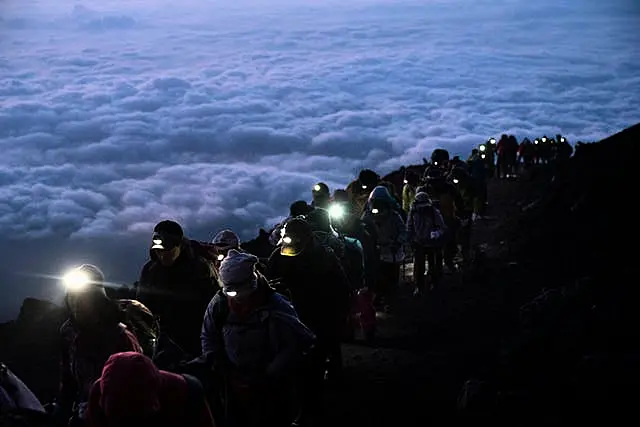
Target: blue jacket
x,y
268,341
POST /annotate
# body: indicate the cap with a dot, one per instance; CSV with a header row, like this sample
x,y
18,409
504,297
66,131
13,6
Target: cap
x,y
167,235
296,236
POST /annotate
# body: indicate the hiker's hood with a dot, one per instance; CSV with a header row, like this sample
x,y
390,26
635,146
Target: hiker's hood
x,y
381,193
130,385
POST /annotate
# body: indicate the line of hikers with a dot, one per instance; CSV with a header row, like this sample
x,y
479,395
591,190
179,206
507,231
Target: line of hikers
x,y
213,332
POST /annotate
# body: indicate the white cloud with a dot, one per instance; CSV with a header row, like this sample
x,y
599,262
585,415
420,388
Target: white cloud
x,y
115,115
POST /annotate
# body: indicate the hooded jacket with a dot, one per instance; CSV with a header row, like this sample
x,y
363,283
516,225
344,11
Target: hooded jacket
x,y
132,391
178,295
390,228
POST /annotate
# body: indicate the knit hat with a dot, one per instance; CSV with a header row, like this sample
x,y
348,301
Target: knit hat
x,y
226,239
237,270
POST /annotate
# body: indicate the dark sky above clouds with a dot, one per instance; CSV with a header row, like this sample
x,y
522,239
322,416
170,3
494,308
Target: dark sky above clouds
x,y
114,115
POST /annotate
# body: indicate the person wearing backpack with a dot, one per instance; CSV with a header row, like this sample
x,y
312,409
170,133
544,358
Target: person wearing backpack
x,y
176,284
93,332
425,229
252,336
133,392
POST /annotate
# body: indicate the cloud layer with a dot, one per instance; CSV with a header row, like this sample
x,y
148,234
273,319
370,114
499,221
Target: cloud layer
x,y
113,118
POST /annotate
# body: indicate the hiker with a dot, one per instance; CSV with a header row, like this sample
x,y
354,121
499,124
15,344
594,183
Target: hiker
x,y
360,189
425,230
253,336
463,182
92,333
409,189
478,168
446,197
391,233
297,208
177,284
319,291
321,196
223,242
350,225
133,392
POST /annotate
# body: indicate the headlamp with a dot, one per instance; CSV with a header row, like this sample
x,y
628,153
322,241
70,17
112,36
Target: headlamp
x,y
455,180
76,280
406,182
220,257
492,141
435,163
364,187
230,294
336,211
544,139
287,240
483,156
374,211
483,147
536,142
316,187
562,139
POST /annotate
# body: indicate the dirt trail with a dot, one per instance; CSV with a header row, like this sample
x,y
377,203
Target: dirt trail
x,y
427,346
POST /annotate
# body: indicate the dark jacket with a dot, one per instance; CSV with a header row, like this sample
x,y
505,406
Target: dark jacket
x,y
83,354
318,286
179,295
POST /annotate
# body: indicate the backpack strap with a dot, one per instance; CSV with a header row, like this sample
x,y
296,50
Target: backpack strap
x,y
195,400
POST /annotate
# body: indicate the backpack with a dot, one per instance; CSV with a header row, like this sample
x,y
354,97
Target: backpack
x,y
141,321
423,225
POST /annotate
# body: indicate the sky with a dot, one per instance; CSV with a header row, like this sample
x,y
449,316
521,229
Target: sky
x,y
117,114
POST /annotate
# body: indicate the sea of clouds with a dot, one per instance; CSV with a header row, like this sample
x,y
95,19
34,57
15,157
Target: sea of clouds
x,y
116,114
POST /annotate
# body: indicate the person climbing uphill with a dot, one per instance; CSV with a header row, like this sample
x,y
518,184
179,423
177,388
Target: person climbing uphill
x,y
133,392
253,336
92,333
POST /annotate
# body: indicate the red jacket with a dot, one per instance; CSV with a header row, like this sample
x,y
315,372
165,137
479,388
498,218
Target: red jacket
x,y
132,390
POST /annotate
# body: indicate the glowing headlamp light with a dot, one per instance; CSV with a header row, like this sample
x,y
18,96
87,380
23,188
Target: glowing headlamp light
x,y
76,280
287,240
435,163
455,180
406,182
336,211
562,139
374,211
364,187
483,156
483,147
492,141
316,187
544,139
220,257
536,142
230,293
